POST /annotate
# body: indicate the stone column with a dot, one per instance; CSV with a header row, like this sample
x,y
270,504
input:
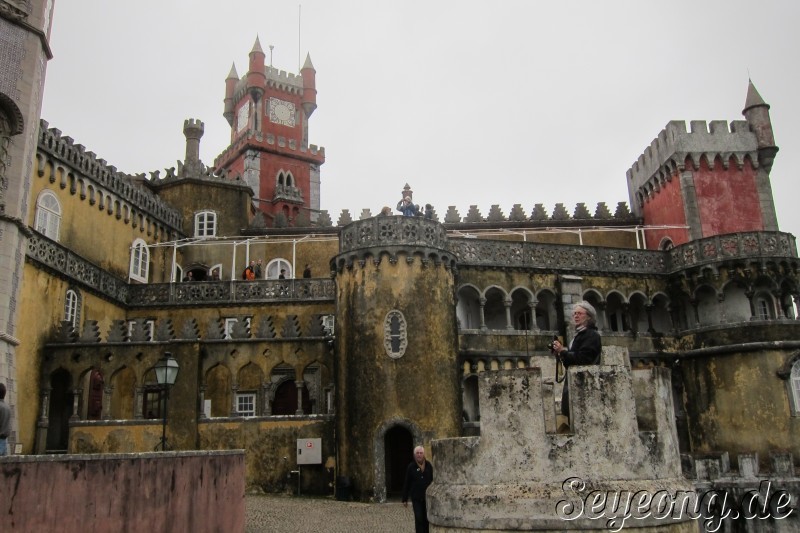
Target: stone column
x,y
507,305
76,404
234,391
43,423
267,395
532,310
482,302
202,402
138,401
777,296
571,293
750,294
602,320
299,385
106,414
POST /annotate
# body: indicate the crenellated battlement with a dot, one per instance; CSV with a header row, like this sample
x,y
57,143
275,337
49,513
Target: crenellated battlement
x,y
279,80
290,146
284,80
516,217
193,127
674,146
64,152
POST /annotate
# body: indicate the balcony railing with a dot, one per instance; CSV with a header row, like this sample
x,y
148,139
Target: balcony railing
x,y
230,292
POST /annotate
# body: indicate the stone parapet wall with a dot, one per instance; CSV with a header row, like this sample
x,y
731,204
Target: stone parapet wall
x,y
515,475
230,292
517,216
167,491
60,150
57,258
763,245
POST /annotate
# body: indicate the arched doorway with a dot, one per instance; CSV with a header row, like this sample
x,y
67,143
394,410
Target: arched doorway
x,y
60,411
398,452
285,402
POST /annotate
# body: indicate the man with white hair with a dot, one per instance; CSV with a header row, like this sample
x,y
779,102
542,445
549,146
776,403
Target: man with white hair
x,y
419,475
585,347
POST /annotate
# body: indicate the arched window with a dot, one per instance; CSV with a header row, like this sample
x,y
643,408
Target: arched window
x,y
140,260
285,178
278,267
395,334
48,215
205,224
72,307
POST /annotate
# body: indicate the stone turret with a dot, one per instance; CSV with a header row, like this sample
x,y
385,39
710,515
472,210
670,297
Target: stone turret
x,y
756,111
398,384
256,74
309,86
230,88
193,131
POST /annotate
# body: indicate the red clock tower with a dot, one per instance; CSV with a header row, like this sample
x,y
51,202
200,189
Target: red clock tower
x,y
268,111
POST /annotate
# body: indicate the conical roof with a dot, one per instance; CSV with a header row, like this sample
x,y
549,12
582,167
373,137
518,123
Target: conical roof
x,y
753,98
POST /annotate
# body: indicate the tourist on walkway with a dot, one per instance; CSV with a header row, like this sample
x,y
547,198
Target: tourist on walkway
x,y
419,475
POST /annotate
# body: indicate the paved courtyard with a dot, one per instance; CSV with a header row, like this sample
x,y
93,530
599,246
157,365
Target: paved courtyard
x,y
287,514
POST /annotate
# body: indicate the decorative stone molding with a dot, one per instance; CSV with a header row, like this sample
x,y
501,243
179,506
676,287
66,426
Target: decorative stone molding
x,y
395,334
53,256
739,246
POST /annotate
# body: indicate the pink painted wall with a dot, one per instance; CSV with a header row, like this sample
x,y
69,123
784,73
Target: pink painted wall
x,y
148,493
727,198
666,209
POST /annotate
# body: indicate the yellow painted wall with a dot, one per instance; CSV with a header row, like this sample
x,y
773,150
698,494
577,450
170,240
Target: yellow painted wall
x,y
41,313
100,237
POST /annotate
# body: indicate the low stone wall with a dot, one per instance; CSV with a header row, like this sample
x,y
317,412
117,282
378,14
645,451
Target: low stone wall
x,y
169,491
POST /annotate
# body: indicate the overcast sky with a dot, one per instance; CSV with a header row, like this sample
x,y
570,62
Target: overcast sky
x,y
496,102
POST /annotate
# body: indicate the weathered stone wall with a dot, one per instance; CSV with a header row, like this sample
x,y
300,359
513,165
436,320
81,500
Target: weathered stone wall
x,y
734,400
40,322
171,491
271,450
389,265
512,476
229,200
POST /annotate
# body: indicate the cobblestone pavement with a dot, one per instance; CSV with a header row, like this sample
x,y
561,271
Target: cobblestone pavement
x,y
288,514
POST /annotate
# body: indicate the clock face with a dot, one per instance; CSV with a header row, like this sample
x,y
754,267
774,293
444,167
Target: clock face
x,y
281,112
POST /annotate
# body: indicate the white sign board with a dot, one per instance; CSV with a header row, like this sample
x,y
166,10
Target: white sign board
x,y
309,451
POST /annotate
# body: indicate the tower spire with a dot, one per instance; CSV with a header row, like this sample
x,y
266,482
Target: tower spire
x,y
756,111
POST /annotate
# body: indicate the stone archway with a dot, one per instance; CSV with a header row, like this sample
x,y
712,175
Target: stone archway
x,y
391,441
398,450
60,411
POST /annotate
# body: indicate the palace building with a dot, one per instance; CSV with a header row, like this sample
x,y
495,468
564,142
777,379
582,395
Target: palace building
x,y
383,347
